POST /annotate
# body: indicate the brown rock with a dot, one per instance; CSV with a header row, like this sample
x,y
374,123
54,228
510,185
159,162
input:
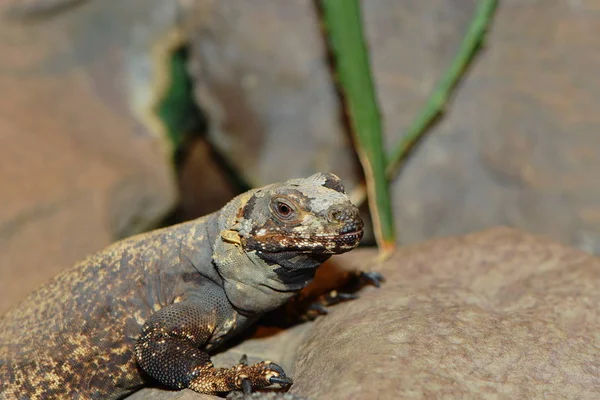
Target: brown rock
x,y
517,144
78,167
157,394
497,314
203,186
262,77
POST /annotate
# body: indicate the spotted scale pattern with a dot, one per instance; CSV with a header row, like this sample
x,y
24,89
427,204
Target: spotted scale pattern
x,y
148,309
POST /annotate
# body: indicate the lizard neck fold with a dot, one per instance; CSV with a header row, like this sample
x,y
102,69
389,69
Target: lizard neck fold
x,y
253,283
197,247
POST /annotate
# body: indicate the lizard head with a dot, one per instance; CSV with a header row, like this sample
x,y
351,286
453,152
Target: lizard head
x,y
307,216
274,238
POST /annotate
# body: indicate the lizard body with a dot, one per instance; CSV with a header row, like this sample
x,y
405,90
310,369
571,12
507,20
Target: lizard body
x,y
150,308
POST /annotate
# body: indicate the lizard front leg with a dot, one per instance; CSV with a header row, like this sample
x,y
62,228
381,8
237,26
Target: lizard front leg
x,y
170,350
307,306
353,281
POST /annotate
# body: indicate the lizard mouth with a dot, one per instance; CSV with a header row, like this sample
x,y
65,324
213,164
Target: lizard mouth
x,y
325,243
330,241
349,238
349,235
341,242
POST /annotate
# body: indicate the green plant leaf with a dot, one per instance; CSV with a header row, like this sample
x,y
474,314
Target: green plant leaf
x,y
439,98
344,28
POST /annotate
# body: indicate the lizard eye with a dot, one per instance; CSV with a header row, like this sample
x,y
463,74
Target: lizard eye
x,y
283,209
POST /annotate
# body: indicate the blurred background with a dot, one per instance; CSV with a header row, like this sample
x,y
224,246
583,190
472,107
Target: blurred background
x,y
119,116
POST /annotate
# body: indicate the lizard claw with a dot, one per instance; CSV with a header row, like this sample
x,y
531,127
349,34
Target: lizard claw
x,y
358,279
276,368
243,360
343,296
246,386
319,308
279,377
284,381
309,308
372,278
265,373
336,297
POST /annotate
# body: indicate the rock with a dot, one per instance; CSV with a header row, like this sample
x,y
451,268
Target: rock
x,y
496,314
516,145
157,394
79,168
264,396
203,186
262,78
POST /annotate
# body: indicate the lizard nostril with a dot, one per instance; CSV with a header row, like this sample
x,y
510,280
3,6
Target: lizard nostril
x,y
335,215
350,219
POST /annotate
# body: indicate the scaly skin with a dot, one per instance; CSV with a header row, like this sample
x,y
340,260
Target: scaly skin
x,y
149,308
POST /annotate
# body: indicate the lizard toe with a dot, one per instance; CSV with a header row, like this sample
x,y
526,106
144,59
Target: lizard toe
x,y
372,278
284,381
276,374
246,386
276,368
243,360
259,375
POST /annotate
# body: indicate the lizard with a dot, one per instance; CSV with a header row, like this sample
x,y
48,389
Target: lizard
x,y
151,308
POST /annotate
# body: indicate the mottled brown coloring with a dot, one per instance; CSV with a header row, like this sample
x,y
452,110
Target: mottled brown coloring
x,y
151,307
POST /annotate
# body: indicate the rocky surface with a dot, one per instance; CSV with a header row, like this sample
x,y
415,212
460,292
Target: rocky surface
x,y
517,143
494,314
262,77
78,168
497,314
